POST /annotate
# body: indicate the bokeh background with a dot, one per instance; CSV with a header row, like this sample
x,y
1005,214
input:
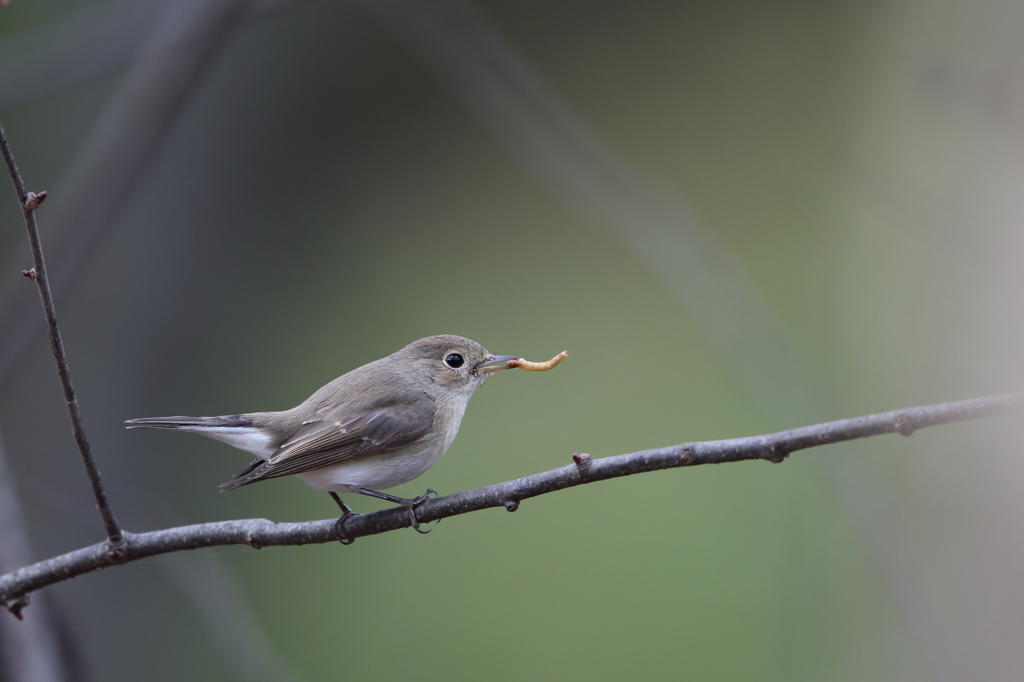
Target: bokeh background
x,y
738,217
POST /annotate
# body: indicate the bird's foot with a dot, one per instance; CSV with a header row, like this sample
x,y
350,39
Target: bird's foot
x,y
430,494
416,501
339,525
339,528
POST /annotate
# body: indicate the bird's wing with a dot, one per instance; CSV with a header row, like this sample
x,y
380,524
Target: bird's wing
x,y
342,437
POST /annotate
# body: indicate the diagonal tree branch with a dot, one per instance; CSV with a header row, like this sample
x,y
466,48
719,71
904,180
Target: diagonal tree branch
x,y
29,203
257,533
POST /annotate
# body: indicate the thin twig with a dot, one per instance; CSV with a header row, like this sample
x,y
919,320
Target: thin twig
x,y
259,533
29,203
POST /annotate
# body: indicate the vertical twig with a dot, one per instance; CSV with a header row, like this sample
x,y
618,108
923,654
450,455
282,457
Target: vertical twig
x,y
29,203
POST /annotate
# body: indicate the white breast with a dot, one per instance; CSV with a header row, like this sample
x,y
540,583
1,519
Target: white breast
x,y
395,467
376,472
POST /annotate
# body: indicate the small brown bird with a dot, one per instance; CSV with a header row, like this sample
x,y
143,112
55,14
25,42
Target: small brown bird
x,y
378,426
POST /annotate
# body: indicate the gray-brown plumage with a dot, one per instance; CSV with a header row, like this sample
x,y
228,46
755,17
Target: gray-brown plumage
x,y
378,426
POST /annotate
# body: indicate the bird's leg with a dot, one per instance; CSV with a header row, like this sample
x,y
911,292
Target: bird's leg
x,y
408,504
339,525
393,498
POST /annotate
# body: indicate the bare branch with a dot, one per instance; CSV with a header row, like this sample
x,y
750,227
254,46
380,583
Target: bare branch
x,y
29,203
257,533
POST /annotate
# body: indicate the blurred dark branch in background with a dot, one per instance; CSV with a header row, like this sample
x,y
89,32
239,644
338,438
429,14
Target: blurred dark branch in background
x,y
29,203
97,37
30,651
506,94
171,62
257,533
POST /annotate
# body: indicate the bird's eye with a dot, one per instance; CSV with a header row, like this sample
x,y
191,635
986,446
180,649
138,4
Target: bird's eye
x,y
454,360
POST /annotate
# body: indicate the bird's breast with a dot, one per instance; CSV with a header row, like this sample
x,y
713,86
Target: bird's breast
x,y
376,472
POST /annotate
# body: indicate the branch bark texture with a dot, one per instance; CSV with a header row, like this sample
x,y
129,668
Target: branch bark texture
x,y
258,533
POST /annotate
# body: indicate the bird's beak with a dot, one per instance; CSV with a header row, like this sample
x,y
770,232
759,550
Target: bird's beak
x,y
494,363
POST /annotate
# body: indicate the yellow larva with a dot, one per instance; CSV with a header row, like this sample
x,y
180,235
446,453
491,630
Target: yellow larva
x,y
538,366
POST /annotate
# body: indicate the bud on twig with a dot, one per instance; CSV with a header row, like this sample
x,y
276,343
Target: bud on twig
x,y
32,200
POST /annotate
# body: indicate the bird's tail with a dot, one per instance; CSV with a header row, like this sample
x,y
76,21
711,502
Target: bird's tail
x,y
190,423
237,430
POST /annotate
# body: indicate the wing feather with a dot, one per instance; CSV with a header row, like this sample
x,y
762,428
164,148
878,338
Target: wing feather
x,y
342,437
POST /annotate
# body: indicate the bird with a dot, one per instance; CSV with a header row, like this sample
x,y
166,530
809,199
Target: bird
x,y
376,427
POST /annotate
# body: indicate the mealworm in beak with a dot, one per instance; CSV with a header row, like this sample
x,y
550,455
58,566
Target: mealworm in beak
x,y
538,366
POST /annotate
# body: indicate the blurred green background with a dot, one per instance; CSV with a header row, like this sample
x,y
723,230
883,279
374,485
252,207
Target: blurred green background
x,y
738,217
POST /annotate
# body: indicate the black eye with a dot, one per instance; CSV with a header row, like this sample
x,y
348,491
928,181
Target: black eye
x,y
454,360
